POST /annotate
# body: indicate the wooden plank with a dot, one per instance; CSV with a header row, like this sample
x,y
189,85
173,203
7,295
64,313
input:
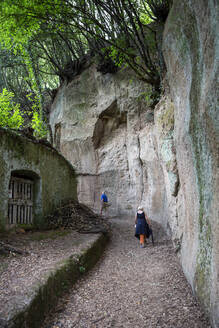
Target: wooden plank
x,y
27,214
30,215
14,214
10,214
17,213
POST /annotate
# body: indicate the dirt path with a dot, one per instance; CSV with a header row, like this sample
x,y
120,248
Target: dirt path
x,y
130,287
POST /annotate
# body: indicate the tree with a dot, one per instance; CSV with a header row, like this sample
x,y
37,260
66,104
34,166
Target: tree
x,y
53,38
116,23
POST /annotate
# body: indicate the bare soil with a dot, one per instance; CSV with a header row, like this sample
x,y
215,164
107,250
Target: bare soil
x,y
131,287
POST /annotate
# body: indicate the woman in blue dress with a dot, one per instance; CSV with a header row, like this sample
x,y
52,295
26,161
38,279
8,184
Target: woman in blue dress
x,y
142,226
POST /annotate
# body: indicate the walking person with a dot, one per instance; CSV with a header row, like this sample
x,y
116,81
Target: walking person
x,y
104,202
142,224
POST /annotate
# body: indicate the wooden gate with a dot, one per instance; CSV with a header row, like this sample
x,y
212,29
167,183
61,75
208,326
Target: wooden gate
x,y
20,203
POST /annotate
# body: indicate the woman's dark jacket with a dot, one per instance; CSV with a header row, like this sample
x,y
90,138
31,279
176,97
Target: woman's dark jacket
x,y
142,227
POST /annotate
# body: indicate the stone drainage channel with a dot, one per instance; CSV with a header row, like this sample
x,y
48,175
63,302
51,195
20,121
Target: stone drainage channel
x,y
30,285
130,287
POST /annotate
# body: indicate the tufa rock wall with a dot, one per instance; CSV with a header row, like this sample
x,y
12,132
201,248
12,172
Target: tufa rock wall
x,y
191,53
104,126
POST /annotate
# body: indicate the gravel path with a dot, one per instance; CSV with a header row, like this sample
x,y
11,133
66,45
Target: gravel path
x,y
130,287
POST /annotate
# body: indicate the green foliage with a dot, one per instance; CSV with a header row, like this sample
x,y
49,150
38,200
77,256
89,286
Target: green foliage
x,y
150,97
117,56
39,126
10,115
82,269
46,39
145,19
146,15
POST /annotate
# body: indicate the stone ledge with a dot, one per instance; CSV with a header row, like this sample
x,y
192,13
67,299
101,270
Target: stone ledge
x,y
57,281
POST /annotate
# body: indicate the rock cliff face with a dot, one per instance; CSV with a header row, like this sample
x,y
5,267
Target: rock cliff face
x,y
191,54
165,160
104,127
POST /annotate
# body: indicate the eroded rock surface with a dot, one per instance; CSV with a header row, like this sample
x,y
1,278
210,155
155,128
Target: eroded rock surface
x,y
106,129
191,54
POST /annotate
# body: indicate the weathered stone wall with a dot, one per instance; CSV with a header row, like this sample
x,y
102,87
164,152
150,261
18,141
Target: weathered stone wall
x,y
191,53
53,175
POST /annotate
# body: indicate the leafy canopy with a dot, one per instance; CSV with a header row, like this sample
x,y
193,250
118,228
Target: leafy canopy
x,y
45,42
10,115
82,26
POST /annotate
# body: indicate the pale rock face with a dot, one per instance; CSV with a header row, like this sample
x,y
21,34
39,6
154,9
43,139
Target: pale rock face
x,y
104,128
191,55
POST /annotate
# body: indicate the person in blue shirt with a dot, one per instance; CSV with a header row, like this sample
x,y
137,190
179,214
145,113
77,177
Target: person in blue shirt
x,y
104,202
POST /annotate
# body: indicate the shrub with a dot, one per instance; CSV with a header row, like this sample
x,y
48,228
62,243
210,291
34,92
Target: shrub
x,y
10,115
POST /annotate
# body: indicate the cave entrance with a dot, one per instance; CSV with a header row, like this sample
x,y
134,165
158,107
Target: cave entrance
x,y
22,189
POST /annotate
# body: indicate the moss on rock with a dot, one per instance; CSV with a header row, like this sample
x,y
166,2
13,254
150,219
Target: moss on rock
x,y
165,119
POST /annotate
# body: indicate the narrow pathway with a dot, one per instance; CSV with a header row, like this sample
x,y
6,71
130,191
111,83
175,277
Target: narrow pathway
x,y
130,287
